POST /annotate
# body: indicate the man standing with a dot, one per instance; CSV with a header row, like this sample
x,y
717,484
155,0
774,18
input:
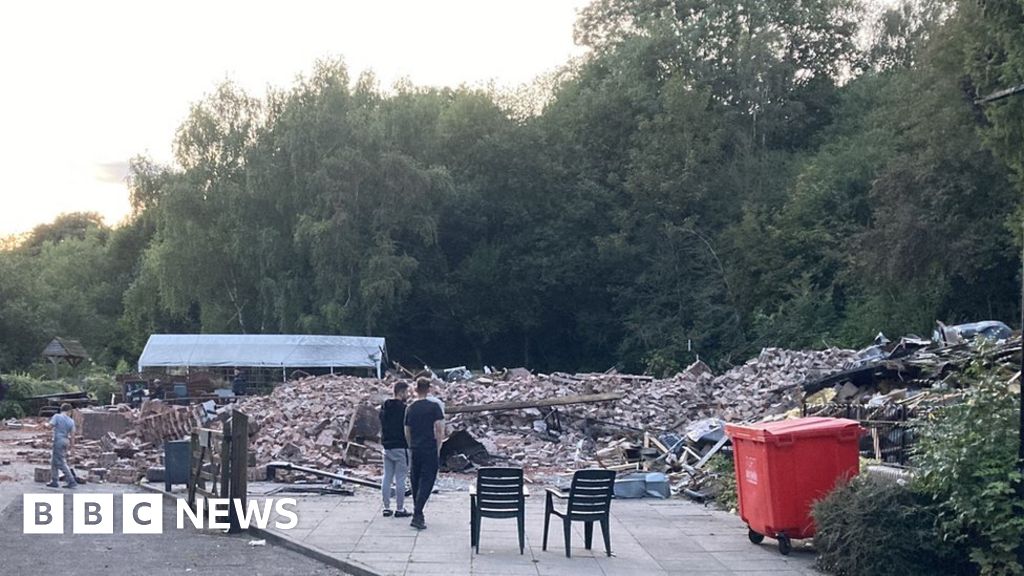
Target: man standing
x,y
63,433
424,431
239,386
396,449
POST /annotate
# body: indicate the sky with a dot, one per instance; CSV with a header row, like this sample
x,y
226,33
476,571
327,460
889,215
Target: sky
x,y
85,86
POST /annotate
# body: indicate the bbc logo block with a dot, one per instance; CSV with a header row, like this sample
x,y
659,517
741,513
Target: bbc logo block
x,y
44,514
93,513
142,514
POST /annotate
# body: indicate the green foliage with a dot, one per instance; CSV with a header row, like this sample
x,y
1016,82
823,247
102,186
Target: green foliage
x,y
24,386
993,56
11,409
967,457
101,384
711,178
66,279
724,486
876,527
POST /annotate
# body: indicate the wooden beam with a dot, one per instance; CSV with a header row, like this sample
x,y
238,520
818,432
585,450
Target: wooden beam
x,y
714,450
273,467
657,443
559,401
622,467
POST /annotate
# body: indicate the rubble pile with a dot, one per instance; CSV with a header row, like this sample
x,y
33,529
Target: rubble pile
x,y
117,443
324,422
330,421
889,384
911,372
557,422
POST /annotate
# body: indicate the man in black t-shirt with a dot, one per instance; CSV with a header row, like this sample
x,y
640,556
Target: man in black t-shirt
x,y
396,449
424,431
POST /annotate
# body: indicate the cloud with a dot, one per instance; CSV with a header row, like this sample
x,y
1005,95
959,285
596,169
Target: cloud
x,y
111,172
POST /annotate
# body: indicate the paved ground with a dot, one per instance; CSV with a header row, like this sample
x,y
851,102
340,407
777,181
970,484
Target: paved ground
x,y
188,551
649,537
177,552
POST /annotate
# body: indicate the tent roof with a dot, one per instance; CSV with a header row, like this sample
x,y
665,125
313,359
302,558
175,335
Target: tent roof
x,y
268,350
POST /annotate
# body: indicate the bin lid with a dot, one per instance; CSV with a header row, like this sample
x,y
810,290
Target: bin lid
x,y
788,430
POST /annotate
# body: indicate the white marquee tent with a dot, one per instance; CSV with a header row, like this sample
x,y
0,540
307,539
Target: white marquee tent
x,y
263,350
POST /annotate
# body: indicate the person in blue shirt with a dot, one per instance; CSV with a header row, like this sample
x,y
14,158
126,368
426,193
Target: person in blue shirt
x,y
63,439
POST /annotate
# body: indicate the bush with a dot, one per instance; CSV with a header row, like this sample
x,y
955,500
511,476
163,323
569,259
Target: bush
x,y
875,527
24,386
723,487
967,457
11,409
100,387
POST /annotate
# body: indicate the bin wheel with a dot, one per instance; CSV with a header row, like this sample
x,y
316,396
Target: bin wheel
x,y
755,537
785,544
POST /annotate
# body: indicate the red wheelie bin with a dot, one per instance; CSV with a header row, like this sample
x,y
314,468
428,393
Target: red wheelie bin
x,y
783,467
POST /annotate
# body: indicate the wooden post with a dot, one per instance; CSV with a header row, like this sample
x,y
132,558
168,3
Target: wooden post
x,y
225,460
238,464
193,469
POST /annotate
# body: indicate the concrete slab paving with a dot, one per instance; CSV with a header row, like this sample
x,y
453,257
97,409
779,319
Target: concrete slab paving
x,y
649,537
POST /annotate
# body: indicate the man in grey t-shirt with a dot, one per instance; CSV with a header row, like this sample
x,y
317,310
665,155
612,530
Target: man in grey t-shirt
x,y
63,434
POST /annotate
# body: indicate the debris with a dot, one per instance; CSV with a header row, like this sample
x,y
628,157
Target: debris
x,y
42,475
541,403
94,423
457,463
709,430
274,467
918,363
907,380
556,421
640,485
261,542
989,330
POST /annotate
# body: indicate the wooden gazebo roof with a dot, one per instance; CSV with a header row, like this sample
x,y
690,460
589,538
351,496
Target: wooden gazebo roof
x,y
70,351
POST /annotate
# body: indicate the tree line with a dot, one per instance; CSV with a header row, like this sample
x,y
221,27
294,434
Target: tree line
x,y
711,178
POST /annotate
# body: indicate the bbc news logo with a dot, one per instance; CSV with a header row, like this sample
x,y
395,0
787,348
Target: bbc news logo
x,y
144,513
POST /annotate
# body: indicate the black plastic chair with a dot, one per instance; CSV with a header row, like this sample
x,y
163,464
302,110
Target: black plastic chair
x,y
589,500
498,493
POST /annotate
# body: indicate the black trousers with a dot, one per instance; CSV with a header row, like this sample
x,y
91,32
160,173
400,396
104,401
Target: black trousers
x,y
422,476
